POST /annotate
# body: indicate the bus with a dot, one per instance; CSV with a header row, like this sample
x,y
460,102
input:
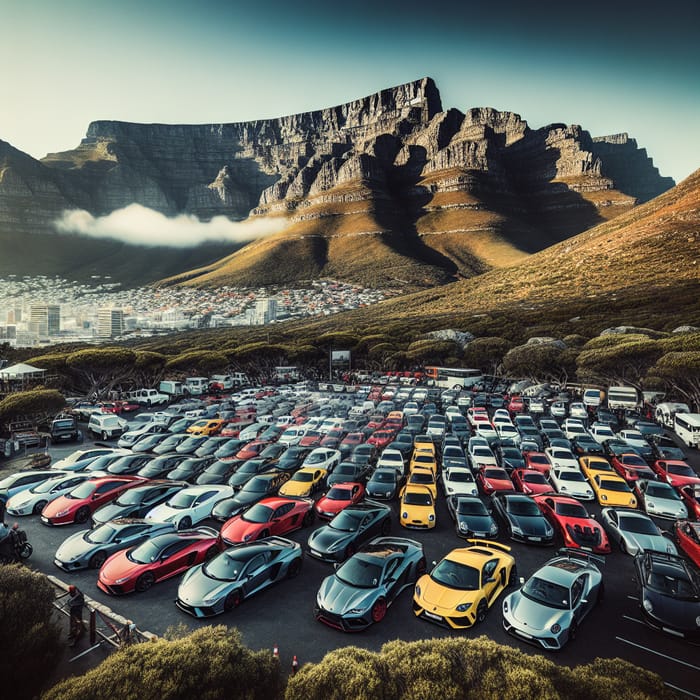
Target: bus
x,y
453,377
687,427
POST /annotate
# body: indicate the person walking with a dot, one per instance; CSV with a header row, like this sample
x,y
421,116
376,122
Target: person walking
x,y
76,601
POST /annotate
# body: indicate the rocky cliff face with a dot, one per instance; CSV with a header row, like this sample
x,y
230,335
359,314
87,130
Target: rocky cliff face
x,y
441,193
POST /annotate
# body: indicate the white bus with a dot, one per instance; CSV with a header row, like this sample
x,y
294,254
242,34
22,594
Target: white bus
x,y
450,377
687,427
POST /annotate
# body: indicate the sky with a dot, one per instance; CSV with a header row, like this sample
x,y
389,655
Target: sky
x,y
609,66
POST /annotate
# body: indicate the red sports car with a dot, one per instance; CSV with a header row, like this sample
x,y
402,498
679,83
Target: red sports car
x,y
516,405
493,479
271,516
574,523
163,556
530,481
80,503
381,438
252,449
351,440
630,466
312,438
676,472
690,494
333,438
339,497
687,536
539,461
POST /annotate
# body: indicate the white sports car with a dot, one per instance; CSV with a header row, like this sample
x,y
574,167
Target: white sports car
x,y
571,482
190,506
458,481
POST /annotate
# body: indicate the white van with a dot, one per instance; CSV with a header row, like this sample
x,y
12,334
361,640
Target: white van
x,y
106,425
171,388
687,427
665,412
625,397
197,385
592,398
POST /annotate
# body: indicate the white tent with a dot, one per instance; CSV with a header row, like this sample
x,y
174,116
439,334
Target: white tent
x,y
21,371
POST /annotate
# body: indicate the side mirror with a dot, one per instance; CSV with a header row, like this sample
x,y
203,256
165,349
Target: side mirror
x,y
521,580
490,579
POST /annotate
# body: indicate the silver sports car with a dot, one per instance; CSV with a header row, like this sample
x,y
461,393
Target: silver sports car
x,y
238,572
90,548
634,531
548,609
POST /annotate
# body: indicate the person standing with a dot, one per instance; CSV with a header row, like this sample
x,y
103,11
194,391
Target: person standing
x,y
76,601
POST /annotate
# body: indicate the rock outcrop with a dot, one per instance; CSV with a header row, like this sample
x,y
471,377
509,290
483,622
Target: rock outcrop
x,y
393,189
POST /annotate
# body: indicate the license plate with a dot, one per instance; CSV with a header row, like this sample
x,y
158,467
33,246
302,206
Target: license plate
x,y
432,616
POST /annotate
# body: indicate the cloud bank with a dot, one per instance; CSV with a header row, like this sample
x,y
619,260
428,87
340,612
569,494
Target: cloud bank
x,y
139,225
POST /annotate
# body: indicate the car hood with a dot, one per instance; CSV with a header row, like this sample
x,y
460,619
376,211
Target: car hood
x,y
531,525
60,504
665,505
339,598
196,587
326,537
295,488
76,547
533,616
436,595
657,543
475,523
239,530
679,614
118,566
112,511
163,513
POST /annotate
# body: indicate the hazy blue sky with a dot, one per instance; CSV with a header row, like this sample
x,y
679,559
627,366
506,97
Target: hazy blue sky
x,y
609,66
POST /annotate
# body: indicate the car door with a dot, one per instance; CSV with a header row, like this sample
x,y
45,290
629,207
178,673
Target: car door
x,y
490,582
105,492
580,603
613,521
284,519
175,558
257,573
203,505
394,577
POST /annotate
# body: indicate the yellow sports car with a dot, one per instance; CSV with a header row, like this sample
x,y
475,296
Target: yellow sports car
x,y
425,443
461,588
206,427
612,490
417,507
423,458
304,482
420,476
592,465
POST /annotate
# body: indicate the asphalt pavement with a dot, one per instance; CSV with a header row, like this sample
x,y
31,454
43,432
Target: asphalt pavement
x,y
282,616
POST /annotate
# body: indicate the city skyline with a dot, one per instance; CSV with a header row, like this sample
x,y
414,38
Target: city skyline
x,y
609,67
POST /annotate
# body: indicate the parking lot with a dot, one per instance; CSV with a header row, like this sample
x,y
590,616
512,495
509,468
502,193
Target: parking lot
x,y
282,616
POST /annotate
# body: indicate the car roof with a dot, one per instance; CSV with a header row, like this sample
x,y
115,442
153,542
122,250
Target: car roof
x,y
562,570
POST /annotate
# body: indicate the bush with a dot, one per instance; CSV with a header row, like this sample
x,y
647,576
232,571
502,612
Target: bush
x,y
209,664
29,639
38,403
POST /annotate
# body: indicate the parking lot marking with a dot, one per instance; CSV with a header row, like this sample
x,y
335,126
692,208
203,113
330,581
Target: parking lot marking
x,y
633,597
658,653
634,619
681,690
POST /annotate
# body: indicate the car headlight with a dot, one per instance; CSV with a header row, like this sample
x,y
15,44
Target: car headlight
x,y
647,605
516,530
505,606
404,515
61,513
555,628
355,611
417,590
463,607
246,538
697,620
388,494
603,497
431,517
562,488
494,529
650,505
121,580
463,527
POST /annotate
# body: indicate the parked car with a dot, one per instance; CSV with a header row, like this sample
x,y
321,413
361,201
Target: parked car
x,y
635,531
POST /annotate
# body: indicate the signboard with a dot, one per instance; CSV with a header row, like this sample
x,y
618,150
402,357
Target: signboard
x,y
340,358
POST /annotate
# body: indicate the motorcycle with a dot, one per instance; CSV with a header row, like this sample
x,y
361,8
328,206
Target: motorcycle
x,y
15,548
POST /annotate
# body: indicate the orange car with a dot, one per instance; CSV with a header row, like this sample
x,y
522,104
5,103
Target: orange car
x,y
206,426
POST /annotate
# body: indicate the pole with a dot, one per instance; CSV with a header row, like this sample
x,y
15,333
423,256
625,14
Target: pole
x,y
330,363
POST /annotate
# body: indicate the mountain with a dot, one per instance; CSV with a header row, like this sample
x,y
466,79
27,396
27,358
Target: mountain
x,y
389,189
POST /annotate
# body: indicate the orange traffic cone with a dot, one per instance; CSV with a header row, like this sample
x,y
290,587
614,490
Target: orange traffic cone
x,y
275,652
295,665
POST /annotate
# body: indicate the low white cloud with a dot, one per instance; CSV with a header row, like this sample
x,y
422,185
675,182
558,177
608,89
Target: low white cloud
x,y
139,225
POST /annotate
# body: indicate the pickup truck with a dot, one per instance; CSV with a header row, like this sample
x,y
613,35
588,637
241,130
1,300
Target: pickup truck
x,y
148,397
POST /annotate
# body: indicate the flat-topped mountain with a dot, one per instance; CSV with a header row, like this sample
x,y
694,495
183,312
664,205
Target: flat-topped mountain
x,y
389,189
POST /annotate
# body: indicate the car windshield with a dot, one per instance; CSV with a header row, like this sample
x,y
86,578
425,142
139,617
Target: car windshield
x,y
131,497
570,475
224,567
256,485
539,459
633,461
145,553
482,452
45,486
475,507
610,485
359,572
421,477
347,522
495,474
182,500
680,470
659,490
101,535
672,582
534,478
384,477
455,575
315,458
303,476
546,592
259,513
84,490
571,510
461,477
562,454
337,494
519,506
413,498
249,467
638,525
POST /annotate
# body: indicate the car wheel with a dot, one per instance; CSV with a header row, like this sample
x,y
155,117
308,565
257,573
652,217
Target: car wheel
x,y
38,507
379,610
513,578
185,523
82,515
308,518
294,568
481,611
386,527
145,581
232,600
211,553
573,631
97,559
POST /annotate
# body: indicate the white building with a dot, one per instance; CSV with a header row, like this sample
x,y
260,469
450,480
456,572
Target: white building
x,y
110,323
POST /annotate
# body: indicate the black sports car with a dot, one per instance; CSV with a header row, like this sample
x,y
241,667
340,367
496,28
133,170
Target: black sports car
x,y
354,525
472,518
669,593
136,502
257,488
523,519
